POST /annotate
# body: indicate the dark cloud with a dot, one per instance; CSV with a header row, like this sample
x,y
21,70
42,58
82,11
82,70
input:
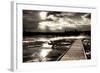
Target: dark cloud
x,y
55,21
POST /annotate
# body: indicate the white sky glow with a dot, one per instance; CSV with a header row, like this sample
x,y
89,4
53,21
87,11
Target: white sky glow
x,y
43,15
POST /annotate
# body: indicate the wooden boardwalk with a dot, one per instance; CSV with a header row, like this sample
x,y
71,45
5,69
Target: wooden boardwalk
x,y
76,52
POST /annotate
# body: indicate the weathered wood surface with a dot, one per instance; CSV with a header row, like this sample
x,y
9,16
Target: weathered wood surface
x,y
76,52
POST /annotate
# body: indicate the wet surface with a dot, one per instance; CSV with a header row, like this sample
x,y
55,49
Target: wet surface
x,y
54,49
45,51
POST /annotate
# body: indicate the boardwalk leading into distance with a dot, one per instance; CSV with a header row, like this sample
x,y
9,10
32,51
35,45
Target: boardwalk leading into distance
x,y
76,52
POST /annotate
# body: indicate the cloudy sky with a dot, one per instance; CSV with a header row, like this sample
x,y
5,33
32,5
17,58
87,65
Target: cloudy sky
x,y
52,21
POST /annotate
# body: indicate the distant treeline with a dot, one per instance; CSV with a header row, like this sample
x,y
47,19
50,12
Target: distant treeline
x,y
68,33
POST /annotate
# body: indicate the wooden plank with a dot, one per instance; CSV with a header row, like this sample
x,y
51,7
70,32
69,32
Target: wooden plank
x,y
76,52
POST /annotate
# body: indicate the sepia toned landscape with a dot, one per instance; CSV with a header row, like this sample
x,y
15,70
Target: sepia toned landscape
x,y
56,36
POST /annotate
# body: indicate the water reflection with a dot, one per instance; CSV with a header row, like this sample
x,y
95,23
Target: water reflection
x,y
47,49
